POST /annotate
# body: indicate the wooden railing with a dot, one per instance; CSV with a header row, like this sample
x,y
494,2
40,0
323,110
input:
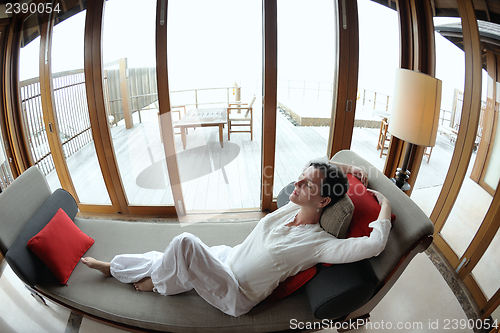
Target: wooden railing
x,y
5,176
374,100
72,110
195,98
34,127
141,90
306,90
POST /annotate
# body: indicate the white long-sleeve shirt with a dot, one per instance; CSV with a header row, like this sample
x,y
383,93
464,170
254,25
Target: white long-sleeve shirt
x,y
273,251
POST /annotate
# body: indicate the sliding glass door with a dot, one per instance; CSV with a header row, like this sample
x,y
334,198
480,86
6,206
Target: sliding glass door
x,y
215,69
131,100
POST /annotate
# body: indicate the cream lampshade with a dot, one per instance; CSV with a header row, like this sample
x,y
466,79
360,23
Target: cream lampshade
x,y
415,115
415,107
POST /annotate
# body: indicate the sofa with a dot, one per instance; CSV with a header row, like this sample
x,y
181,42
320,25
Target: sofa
x,y
343,293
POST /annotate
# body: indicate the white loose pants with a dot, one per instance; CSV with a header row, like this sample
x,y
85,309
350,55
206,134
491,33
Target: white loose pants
x,y
187,263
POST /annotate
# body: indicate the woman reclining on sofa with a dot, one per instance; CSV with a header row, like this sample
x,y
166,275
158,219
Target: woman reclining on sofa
x,y
282,244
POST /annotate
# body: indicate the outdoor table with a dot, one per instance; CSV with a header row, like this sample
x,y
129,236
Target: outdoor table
x,y
202,118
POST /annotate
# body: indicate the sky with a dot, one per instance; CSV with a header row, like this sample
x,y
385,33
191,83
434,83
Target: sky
x,y
226,46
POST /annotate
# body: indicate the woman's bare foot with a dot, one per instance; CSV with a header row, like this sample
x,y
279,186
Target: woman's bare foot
x,y
145,284
102,266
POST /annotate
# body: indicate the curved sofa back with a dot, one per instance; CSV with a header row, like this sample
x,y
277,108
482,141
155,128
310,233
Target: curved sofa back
x,y
19,202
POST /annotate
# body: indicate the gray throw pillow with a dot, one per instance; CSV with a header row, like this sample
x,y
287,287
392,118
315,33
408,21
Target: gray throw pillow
x,y
337,217
25,263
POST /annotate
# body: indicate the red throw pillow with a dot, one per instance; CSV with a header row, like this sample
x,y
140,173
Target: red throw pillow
x,y
60,245
366,208
291,284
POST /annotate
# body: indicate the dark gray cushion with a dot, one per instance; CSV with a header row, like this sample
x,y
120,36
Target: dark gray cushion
x,y
20,258
337,290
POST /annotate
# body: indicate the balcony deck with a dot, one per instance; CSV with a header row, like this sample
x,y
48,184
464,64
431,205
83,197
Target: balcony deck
x,y
230,174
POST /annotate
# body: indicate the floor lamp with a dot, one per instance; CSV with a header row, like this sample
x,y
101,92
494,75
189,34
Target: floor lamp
x,y
415,115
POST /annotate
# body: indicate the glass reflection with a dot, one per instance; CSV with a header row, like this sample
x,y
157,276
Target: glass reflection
x,y
215,62
70,100
31,101
487,269
306,54
131,96
450,69
378,60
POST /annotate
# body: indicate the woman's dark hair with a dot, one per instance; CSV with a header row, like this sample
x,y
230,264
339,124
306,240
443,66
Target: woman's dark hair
x,y
335,183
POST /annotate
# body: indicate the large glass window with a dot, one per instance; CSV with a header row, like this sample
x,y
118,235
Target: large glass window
x,y
131,96
31,101
473,201
70,101
306,60
492,175
450,69
5,175
487,269
215,62
378,60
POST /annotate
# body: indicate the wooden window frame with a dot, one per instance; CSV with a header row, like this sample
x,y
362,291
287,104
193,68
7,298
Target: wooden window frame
x,y
269,109
345,76
48,106
467,134
96,104
489,121
417,52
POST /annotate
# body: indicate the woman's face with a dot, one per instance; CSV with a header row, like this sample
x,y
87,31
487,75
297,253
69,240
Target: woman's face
x,y
307,190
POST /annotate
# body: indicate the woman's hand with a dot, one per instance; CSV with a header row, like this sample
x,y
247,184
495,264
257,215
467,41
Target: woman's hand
x,y
385,205
379,196
360,174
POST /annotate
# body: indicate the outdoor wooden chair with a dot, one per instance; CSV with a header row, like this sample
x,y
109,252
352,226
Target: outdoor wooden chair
x,y
239,114
428,152
175,110
383,138
179,111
